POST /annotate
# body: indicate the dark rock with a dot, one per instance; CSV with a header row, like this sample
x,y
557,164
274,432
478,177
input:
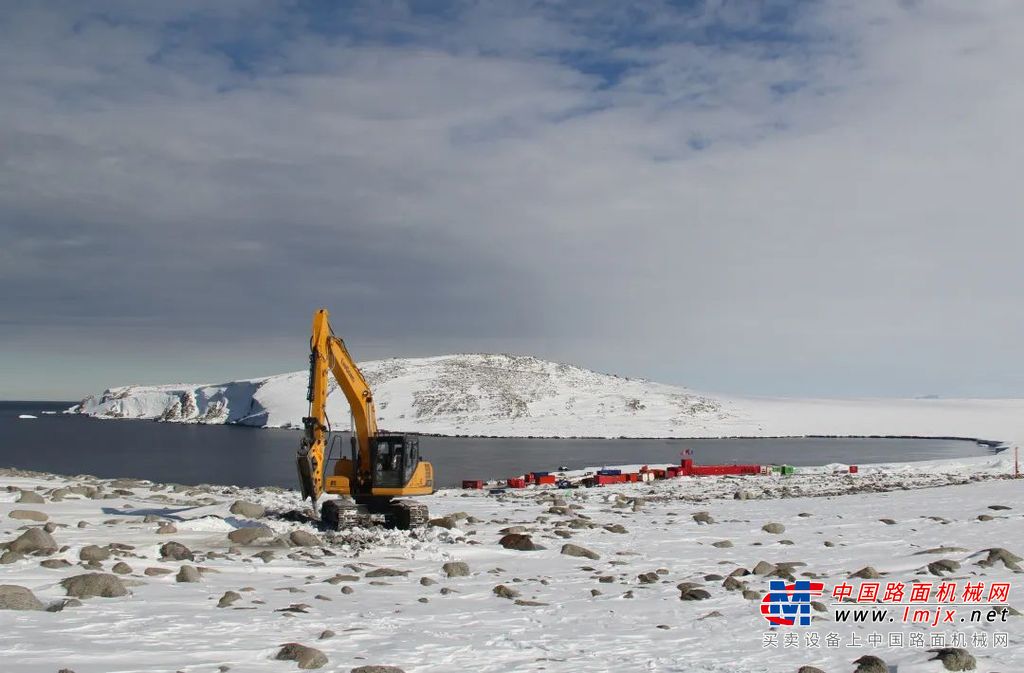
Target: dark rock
x,y
228,598
774,528
943,566
121,568
693,594
387,572
518,541
703,518
722,544
306,657
175,551
870,664
505,592
1000,555
377,669
955,658
866,573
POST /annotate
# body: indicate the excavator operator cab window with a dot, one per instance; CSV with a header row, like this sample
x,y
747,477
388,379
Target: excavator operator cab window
x,y
394,459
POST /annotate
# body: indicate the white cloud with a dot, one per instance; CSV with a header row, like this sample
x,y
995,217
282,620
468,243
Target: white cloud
x,y
469,181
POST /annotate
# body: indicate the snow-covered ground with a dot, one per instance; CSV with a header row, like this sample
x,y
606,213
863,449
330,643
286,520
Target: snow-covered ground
x,y
387,600
516,396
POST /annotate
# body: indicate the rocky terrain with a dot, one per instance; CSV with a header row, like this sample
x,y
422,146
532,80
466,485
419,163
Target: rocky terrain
x,y
127,575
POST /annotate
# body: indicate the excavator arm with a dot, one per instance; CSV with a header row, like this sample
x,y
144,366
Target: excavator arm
x,y
328,354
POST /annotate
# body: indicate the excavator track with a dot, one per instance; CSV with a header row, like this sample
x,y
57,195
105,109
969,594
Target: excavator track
x,y
407,515
342,514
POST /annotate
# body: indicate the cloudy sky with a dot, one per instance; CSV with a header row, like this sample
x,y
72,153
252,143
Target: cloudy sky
x,y
767,197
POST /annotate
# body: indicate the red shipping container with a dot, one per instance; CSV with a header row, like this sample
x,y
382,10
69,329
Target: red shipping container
x,y
633,476
853,469
517,482
546,479
472,483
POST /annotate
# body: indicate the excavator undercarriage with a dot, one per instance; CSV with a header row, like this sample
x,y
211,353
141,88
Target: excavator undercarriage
x,y
343,513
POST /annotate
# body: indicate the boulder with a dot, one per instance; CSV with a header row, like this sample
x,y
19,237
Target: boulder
x,y
1000,555
33,541
703,518
175,551
13,597
228,598
576,550
187,573
30,498
305,657
92,585
10,557
866,573
28,515
518,542
870,664
955,658
503,591
249,535
456,569
249,510
377,669
774,528
301,538
93,552
387,572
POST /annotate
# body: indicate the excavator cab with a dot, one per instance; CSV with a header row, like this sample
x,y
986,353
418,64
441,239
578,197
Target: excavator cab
x,y
393,458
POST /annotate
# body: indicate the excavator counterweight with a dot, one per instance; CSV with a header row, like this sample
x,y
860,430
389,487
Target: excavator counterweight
x,y
381,466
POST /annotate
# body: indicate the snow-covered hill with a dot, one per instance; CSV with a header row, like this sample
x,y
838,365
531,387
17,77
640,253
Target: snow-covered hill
x,y
517,396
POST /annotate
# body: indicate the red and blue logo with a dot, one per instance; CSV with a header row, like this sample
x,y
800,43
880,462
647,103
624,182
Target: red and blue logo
x,y
790,604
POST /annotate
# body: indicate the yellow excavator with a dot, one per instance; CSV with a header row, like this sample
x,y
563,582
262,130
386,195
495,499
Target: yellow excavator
x,y
382,467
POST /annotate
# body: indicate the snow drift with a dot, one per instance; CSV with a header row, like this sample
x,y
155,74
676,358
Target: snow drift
x,y
518,396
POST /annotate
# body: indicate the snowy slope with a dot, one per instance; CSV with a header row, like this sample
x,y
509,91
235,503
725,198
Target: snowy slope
x,y
515,396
